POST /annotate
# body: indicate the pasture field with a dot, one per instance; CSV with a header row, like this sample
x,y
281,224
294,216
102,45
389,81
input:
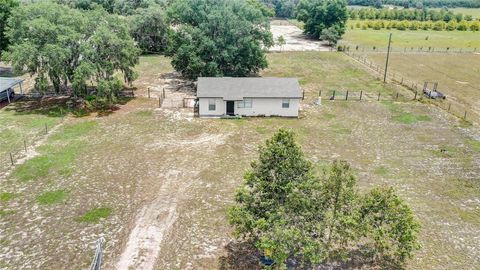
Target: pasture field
x,y
475,12
456,74
408,39
93,175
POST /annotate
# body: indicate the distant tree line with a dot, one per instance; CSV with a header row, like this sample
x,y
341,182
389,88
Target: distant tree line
x,y
406,14
418,3
420,25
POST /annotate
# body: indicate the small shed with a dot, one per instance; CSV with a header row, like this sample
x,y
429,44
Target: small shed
x,y
251,96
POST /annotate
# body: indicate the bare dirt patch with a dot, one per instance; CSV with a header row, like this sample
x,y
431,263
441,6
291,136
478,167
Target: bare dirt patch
x,y
295,38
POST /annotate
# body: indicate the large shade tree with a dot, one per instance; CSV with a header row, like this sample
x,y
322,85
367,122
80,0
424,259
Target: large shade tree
x,y
69,48
218,38
319,15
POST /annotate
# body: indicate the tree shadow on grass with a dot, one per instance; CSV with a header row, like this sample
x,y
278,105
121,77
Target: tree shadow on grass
x,y
244,255
53,107
60,106
240,256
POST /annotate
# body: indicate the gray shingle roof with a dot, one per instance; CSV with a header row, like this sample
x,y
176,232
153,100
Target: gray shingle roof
x,y
230,88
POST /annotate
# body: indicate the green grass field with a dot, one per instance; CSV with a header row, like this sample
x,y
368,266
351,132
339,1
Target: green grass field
x,y
98,173
408,39
475,12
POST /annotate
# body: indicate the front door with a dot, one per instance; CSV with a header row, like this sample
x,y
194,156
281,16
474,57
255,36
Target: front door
x,y
230,107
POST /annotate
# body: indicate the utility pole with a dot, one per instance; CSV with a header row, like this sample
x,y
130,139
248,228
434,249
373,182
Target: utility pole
x,y
388,55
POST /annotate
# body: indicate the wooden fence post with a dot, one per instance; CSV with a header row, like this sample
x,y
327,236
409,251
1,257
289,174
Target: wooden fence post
x,y
148,89
396,98
11,159
346,96
46,128
378,99
25,145
449,105
465,116
414,98
159,102
361,93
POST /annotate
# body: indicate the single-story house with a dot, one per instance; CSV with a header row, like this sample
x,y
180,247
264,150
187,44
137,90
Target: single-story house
x,y
222,96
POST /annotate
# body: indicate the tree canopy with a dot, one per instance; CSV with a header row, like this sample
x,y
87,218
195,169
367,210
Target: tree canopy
x,y
292,215
323,14
218,38
65,46
282,8
150,30
6,7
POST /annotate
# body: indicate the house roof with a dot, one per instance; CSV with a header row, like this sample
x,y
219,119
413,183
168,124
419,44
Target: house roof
x,y
230,88
6,83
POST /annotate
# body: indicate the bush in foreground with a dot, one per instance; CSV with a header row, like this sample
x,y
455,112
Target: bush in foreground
x,y
292,215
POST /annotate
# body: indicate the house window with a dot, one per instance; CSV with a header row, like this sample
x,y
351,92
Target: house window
x,y
285,103
246,103
211,105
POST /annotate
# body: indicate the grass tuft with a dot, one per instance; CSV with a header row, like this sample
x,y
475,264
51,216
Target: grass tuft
x,y
409,118
95,215
381,170
474,144
6,196
51,197
6,212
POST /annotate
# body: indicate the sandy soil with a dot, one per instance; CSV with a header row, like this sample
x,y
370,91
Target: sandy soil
x,y
295,39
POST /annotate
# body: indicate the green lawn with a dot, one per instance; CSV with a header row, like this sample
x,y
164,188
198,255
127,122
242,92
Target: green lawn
x,y
408,38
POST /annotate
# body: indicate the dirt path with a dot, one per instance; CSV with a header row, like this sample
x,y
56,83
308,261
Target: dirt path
x,y
295,40
156,219
152,223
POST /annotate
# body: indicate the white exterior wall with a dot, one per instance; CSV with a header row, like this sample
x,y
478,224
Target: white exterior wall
x,y
269,107
220,107
260,106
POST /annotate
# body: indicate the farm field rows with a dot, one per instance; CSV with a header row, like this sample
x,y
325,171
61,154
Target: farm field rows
x,y
99,172
440,40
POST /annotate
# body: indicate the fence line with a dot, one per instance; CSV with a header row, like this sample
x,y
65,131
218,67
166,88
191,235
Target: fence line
x,y
350,47
453,108
12,155
349,95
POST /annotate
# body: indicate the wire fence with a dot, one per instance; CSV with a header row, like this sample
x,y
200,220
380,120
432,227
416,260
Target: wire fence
x,y
355,48
11,152
451,106
361,95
